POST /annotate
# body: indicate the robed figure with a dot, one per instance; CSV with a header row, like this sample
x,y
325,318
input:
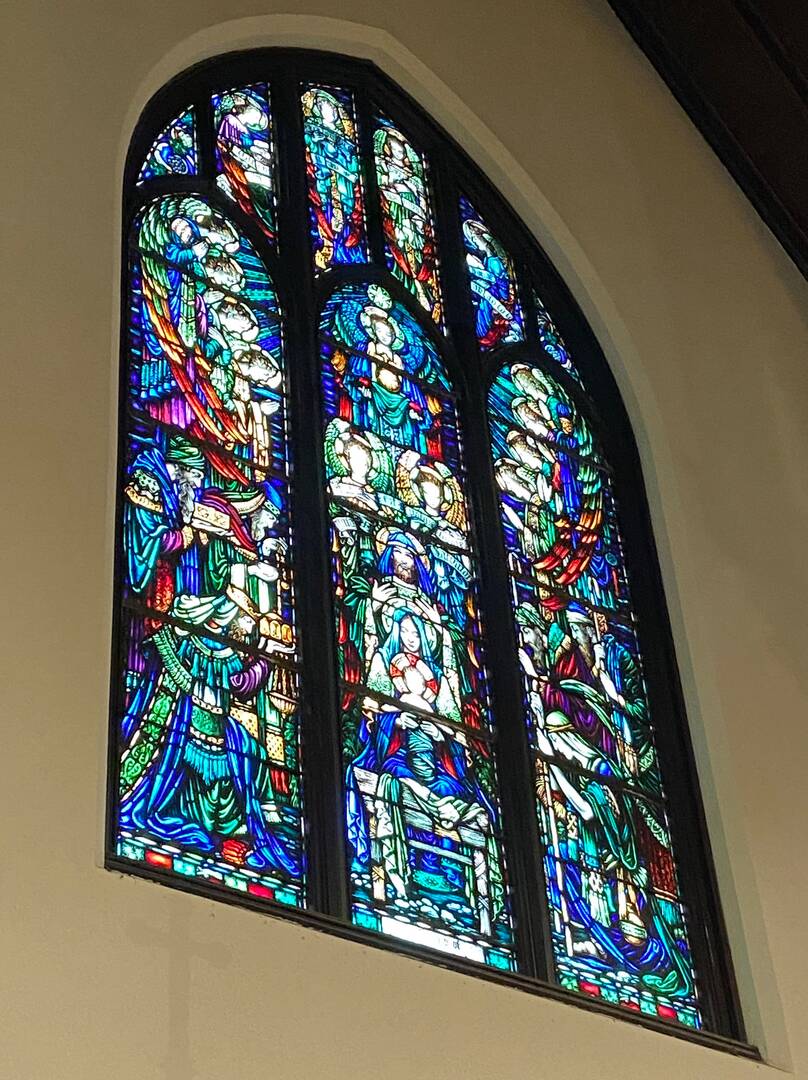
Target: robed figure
x,y
618,880
191,773
422,765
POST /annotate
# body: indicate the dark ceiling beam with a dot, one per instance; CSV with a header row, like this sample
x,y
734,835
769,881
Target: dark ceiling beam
x,y
739,69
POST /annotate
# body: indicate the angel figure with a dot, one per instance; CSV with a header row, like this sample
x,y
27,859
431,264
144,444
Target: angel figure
x,y
383,366
550,433
526,476
492,283
385,400
257,388
434,498
245,154
406,218
188,320
335,185
358,464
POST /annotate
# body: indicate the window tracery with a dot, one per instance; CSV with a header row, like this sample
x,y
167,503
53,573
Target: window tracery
x,y
293,223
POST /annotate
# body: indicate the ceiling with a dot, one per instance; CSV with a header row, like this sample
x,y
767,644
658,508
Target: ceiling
x,y
739,68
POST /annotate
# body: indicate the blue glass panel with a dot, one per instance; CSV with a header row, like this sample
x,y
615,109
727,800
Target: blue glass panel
x,y
492,280
174,151
618,930
618,926
336,200
551,339
423,816
208,737
245,153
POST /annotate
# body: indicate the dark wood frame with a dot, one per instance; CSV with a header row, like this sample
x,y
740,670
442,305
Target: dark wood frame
x,y
451,172
687,43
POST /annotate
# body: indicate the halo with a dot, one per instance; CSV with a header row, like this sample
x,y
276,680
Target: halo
x,y
316,98
379,296
411,466
339,434
220,231
379,307
429,469
344,440
520,434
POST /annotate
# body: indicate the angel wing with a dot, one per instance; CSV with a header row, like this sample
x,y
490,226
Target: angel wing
x,y
382,474
191,374
408,460
343,322
334,462
572,551
253,198
455,513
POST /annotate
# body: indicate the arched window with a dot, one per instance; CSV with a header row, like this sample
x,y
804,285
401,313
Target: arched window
x,y
391,651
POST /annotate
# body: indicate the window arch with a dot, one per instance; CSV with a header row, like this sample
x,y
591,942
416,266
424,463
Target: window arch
x,y
391,652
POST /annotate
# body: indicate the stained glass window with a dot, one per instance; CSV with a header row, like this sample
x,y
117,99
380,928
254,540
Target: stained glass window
x,y
209,779
423,820
618,928
336,203
409,230
551,340
245,156
494,292
380,655
173,152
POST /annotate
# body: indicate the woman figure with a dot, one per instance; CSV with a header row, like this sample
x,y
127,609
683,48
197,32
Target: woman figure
x,y
406,666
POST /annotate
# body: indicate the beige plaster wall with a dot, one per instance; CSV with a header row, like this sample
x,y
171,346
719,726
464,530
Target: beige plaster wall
x,y
704,320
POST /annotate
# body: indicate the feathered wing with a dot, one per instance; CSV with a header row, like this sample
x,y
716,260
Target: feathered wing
x,y
239,186
382,475
572,551
408,460
455,513
573,541
253,199
344,322
191,372
334,463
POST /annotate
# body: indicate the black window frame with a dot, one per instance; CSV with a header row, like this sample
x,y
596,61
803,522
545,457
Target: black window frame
x,y
301,296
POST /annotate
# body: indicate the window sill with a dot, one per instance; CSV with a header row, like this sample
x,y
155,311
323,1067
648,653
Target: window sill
x,y
330,925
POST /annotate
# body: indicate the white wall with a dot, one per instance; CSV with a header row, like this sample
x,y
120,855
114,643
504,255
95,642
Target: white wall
x,y
704,320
